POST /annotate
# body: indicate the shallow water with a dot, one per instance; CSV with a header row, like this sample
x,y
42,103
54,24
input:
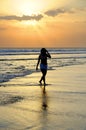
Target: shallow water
x,y
60,106
24,104
20,62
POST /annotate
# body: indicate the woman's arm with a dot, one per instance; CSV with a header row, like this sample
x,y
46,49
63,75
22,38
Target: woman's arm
x,y
48,54
38,63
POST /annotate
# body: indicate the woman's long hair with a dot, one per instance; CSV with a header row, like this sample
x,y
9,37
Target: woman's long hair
x,y
43,51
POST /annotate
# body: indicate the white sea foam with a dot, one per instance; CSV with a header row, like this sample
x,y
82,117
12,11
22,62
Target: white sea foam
x,y
20,62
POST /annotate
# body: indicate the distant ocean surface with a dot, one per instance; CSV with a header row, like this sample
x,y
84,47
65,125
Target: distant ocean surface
x,y
20,62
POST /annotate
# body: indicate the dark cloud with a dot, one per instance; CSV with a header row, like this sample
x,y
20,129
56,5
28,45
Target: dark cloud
x,y
56,12
24,17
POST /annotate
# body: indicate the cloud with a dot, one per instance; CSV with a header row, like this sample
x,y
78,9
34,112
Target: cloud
x,y
20,18
55,12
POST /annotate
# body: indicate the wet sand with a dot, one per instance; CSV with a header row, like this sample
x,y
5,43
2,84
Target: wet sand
x,y
25,105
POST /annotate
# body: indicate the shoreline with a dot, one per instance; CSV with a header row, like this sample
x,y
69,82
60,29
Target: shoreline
x,y
35,72
24,105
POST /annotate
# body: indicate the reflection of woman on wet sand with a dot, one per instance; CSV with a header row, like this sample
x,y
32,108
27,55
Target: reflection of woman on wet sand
x,y
43,65
44,99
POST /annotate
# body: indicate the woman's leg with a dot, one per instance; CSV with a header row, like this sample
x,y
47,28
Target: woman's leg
x,y
44,72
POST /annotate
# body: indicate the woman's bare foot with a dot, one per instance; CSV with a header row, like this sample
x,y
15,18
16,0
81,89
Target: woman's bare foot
x,y
40,82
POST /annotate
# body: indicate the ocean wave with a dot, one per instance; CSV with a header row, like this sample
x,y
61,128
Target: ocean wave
x,y
9,59
37,51
63,62
19,72
22,71
18,66
69,57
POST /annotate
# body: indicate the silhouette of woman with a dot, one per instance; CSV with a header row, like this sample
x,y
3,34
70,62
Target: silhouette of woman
x,y
42,59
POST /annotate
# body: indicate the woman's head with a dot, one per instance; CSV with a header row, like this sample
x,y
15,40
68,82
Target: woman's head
x,y
43,51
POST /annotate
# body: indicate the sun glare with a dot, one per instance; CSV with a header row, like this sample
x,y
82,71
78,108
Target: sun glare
x,y
29,9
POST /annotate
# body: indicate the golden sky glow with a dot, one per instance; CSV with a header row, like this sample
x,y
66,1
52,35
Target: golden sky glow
x,y
41,23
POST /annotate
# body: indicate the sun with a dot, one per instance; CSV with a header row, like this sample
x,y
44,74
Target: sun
x,y
29,8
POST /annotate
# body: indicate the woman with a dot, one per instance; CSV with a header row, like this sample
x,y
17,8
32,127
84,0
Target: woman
x,y
43,65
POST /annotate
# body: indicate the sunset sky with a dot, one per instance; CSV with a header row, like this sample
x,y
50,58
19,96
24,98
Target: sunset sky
x,y
42,23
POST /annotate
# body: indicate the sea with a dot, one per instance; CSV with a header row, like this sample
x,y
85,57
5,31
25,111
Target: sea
x,y
25,105
21,62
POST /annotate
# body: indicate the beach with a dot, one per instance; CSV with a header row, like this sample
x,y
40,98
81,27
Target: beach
x,y
25,105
